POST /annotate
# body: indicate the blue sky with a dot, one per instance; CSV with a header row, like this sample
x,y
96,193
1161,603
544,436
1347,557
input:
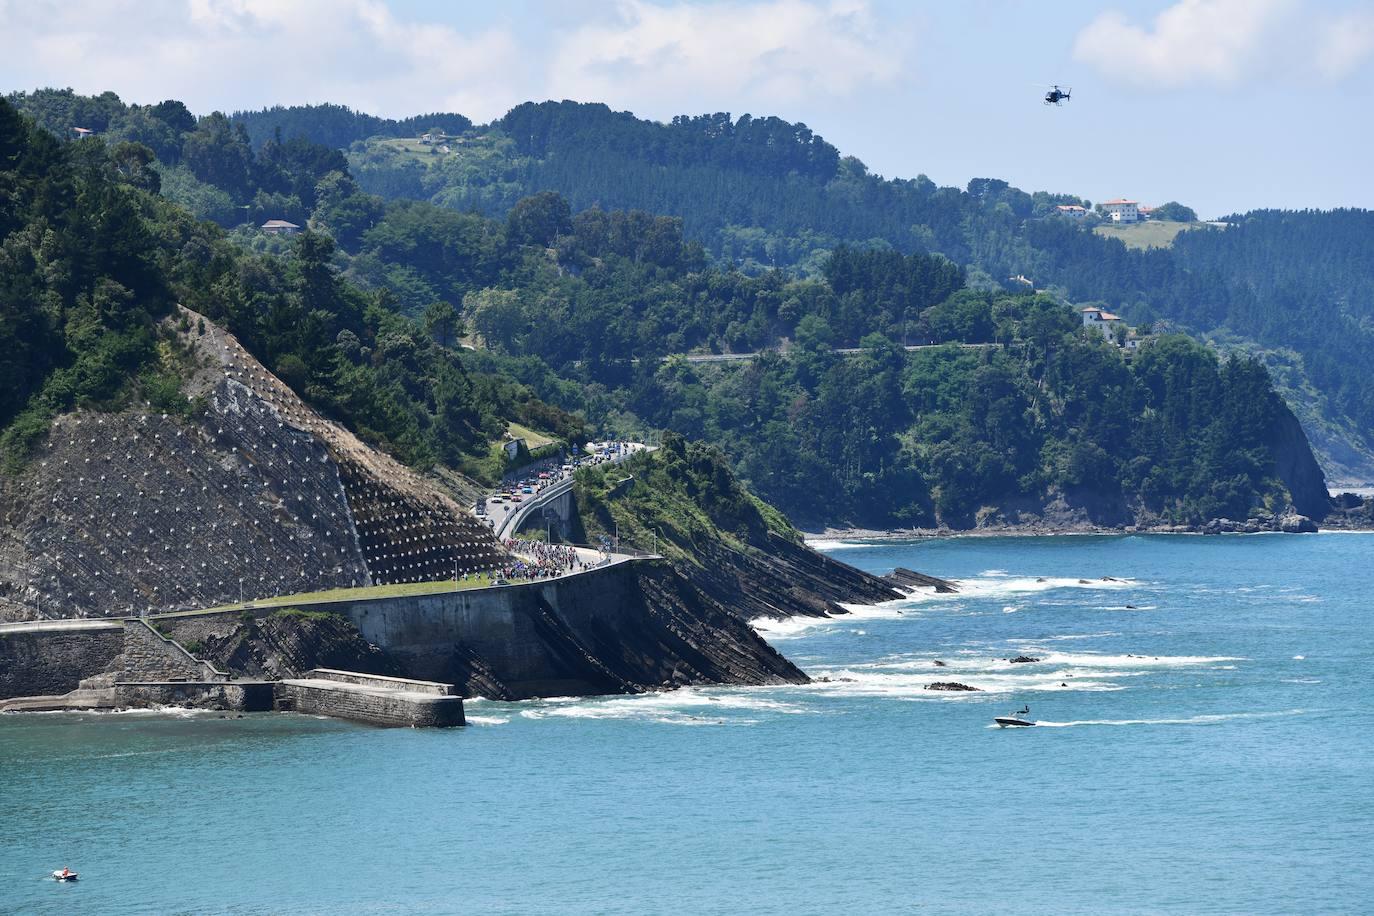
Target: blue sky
x,y
1225,105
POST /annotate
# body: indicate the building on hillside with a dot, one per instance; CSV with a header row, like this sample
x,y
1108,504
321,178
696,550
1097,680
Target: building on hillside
x,y
1103,321
1072,211
280,227
82,133
1146,212
1122,211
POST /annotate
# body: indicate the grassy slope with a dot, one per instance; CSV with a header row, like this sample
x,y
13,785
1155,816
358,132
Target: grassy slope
x,y
481,580
685,493
1155,233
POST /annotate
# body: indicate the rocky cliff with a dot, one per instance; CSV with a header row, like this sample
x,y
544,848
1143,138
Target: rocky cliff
x,y
737,552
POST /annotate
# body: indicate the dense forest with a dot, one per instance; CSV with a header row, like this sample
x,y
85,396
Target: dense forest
x,y
92,259
1290,287
577,319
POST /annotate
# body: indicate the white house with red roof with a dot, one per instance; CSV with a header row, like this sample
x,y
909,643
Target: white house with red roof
x,y
1103,321
1121,210
1072,211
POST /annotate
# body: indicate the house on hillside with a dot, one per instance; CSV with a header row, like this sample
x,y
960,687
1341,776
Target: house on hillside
x,y
81,133
1122,211
1103,321
1146,212
1072,211
279,227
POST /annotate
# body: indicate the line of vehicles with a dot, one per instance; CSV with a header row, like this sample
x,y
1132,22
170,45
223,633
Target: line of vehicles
x,y
535,477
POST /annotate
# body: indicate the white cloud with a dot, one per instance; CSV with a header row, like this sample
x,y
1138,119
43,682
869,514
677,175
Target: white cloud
x,y
666,59
231,54
1228,42
657,58
1207,41
1346,44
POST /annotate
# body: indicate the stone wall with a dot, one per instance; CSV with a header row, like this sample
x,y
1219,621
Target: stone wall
x,y
45,663
249,696
150,656
375,707
383,682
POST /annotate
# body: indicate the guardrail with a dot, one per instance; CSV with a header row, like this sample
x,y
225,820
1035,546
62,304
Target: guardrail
x,y
515,519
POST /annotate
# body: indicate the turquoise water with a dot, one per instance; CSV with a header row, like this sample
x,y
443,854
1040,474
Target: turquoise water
x,y
1208,752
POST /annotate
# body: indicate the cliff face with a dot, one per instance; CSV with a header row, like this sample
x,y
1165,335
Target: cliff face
x,y
256,495
1297,467
737,552
280,645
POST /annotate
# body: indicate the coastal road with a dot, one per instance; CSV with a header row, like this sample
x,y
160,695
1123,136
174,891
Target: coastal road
x,y
506,517
839,351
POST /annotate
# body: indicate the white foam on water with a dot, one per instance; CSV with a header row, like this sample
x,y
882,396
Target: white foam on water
x,y
1299,658
1190,720
996,586
792,627
687,706
486,720
1068,636
824,544
1096,660
1003,585
1130,607
1013,608
857,681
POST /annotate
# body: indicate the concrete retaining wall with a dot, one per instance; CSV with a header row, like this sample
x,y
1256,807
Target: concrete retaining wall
x,y
531,638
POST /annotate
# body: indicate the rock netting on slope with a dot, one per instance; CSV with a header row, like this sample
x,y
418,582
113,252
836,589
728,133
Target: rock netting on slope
x,y
258,496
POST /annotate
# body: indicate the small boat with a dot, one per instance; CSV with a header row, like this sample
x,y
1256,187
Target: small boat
x,y
65,874
1016,719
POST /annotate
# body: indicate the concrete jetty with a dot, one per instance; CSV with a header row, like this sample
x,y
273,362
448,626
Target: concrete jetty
x,y
374,699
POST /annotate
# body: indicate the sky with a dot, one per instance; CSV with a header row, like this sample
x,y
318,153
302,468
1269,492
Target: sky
x,y
1224,105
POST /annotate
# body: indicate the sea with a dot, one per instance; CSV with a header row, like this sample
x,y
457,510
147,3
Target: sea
x,y
1203,746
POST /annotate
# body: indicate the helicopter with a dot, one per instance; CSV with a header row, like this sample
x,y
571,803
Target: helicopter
x,y
1057,96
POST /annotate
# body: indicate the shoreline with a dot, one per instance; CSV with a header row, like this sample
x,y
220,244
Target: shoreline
x,y
1031,531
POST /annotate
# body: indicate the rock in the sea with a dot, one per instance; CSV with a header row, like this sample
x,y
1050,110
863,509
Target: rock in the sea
x,y
1297,524
949,685
939,664
1022,659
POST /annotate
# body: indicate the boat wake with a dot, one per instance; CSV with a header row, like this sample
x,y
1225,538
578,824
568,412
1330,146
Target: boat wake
x,y
1190,720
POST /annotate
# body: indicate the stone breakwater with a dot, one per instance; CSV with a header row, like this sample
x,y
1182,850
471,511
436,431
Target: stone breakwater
x,y
372,699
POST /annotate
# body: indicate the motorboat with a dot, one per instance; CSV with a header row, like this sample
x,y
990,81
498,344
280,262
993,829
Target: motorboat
x,y
65,874
1019,719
